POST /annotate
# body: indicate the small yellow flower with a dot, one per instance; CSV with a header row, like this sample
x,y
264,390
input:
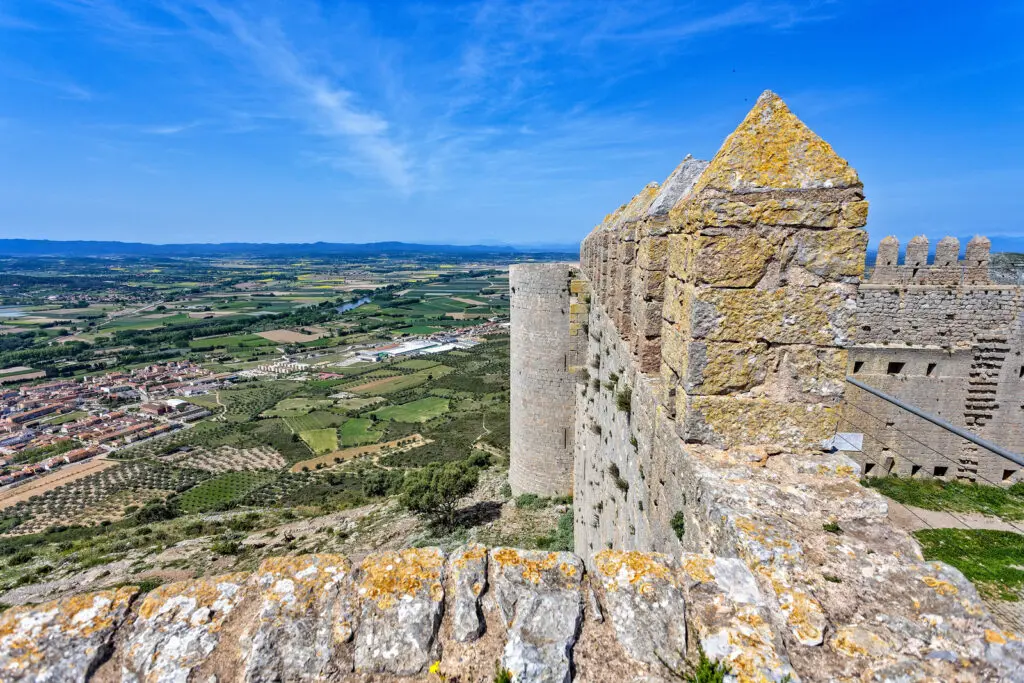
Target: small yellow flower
x,y
435,669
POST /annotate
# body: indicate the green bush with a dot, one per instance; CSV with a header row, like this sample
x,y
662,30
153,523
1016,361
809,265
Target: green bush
x,y
435,490
678,524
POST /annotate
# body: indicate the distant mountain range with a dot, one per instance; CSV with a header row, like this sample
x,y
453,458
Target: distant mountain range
x,y
84,248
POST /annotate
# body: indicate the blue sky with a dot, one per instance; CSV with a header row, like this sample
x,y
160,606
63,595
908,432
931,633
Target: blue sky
x,y
490,121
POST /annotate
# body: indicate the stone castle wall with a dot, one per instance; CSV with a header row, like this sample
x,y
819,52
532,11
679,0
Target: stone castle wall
x,y
723,308
543,353
943,337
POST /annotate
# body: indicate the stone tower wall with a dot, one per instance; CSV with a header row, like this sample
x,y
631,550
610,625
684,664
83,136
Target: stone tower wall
x,y
542,385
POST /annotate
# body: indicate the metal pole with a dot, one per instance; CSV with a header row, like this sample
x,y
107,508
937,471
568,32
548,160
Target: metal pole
x,y
963,433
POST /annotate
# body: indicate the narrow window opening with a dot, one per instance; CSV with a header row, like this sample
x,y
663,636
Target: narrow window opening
x,y
931,370
858,365
914,469
941,471
1021,372
868,466
894,368
1008,474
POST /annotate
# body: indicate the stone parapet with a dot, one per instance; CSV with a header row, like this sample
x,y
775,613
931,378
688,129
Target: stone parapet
x,y
947,268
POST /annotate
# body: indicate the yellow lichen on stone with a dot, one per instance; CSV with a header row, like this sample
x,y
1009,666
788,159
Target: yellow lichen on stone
x,y
296,582
939,586
531,569
698,567
854,641
773,150
633,568
205,592
390,576
473,552
737,260
80,616
739,420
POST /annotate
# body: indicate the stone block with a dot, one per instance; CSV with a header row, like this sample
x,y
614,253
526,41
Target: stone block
x,y
468,569
648,354
721,212
579,287
644,602
63,640
646,318
306,611
725,367
178,626
680,256
806,374
833,255
731,421
650,284
402,599
652,253
732,260
675,350
793,315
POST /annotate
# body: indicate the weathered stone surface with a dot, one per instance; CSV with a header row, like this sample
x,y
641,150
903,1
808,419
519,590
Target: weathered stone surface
x,y
540,600
178,626
719,212
402,597
305,614
467,567
833,255
773,150
677,186
731,619
794,315
728,421
645,605
731,260
62,640
723,367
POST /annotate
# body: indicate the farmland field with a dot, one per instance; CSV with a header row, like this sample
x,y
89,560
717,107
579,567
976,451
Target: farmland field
x,y
244,340
417,364
321,440
316,420
222,490
416,411
357,431
293,407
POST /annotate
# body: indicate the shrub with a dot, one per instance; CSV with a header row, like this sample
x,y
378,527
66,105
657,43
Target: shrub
x,y
678,524
624,400
501,674
832,528
435,490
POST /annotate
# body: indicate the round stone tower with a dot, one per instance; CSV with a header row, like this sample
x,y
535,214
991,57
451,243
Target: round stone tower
x,y
543,389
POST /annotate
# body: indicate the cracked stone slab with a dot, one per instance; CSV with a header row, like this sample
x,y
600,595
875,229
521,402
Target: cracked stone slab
x,y
540,599
728,612
401,596
178,626
305,613
645,604
468,569
63,640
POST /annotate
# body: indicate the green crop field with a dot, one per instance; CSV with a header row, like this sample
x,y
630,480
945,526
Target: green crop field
x,y
417,364
321,440
223,490
416,411
229,341
357,403
294,407
357,432
318,419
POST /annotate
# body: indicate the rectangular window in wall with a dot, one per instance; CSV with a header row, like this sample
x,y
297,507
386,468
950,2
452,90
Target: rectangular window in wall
x,y
858,365
930,370
894,367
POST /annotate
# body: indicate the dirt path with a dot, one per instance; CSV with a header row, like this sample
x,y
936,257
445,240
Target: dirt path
x,y
912,518
48,482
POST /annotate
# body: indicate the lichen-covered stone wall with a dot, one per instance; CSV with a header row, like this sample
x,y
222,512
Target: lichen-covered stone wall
x,y
423,614
736,281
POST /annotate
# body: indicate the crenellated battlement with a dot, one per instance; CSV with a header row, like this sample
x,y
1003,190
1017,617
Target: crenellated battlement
x,y
947,268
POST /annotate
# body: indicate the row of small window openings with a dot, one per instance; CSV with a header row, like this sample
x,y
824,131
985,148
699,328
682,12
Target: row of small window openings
x,y
938,471
896,367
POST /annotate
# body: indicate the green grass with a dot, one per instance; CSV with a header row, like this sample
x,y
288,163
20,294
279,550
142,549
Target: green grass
x,y
321,440
953,496
417,329
416,411
992,560
358,431
67,417
223,491
356,403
